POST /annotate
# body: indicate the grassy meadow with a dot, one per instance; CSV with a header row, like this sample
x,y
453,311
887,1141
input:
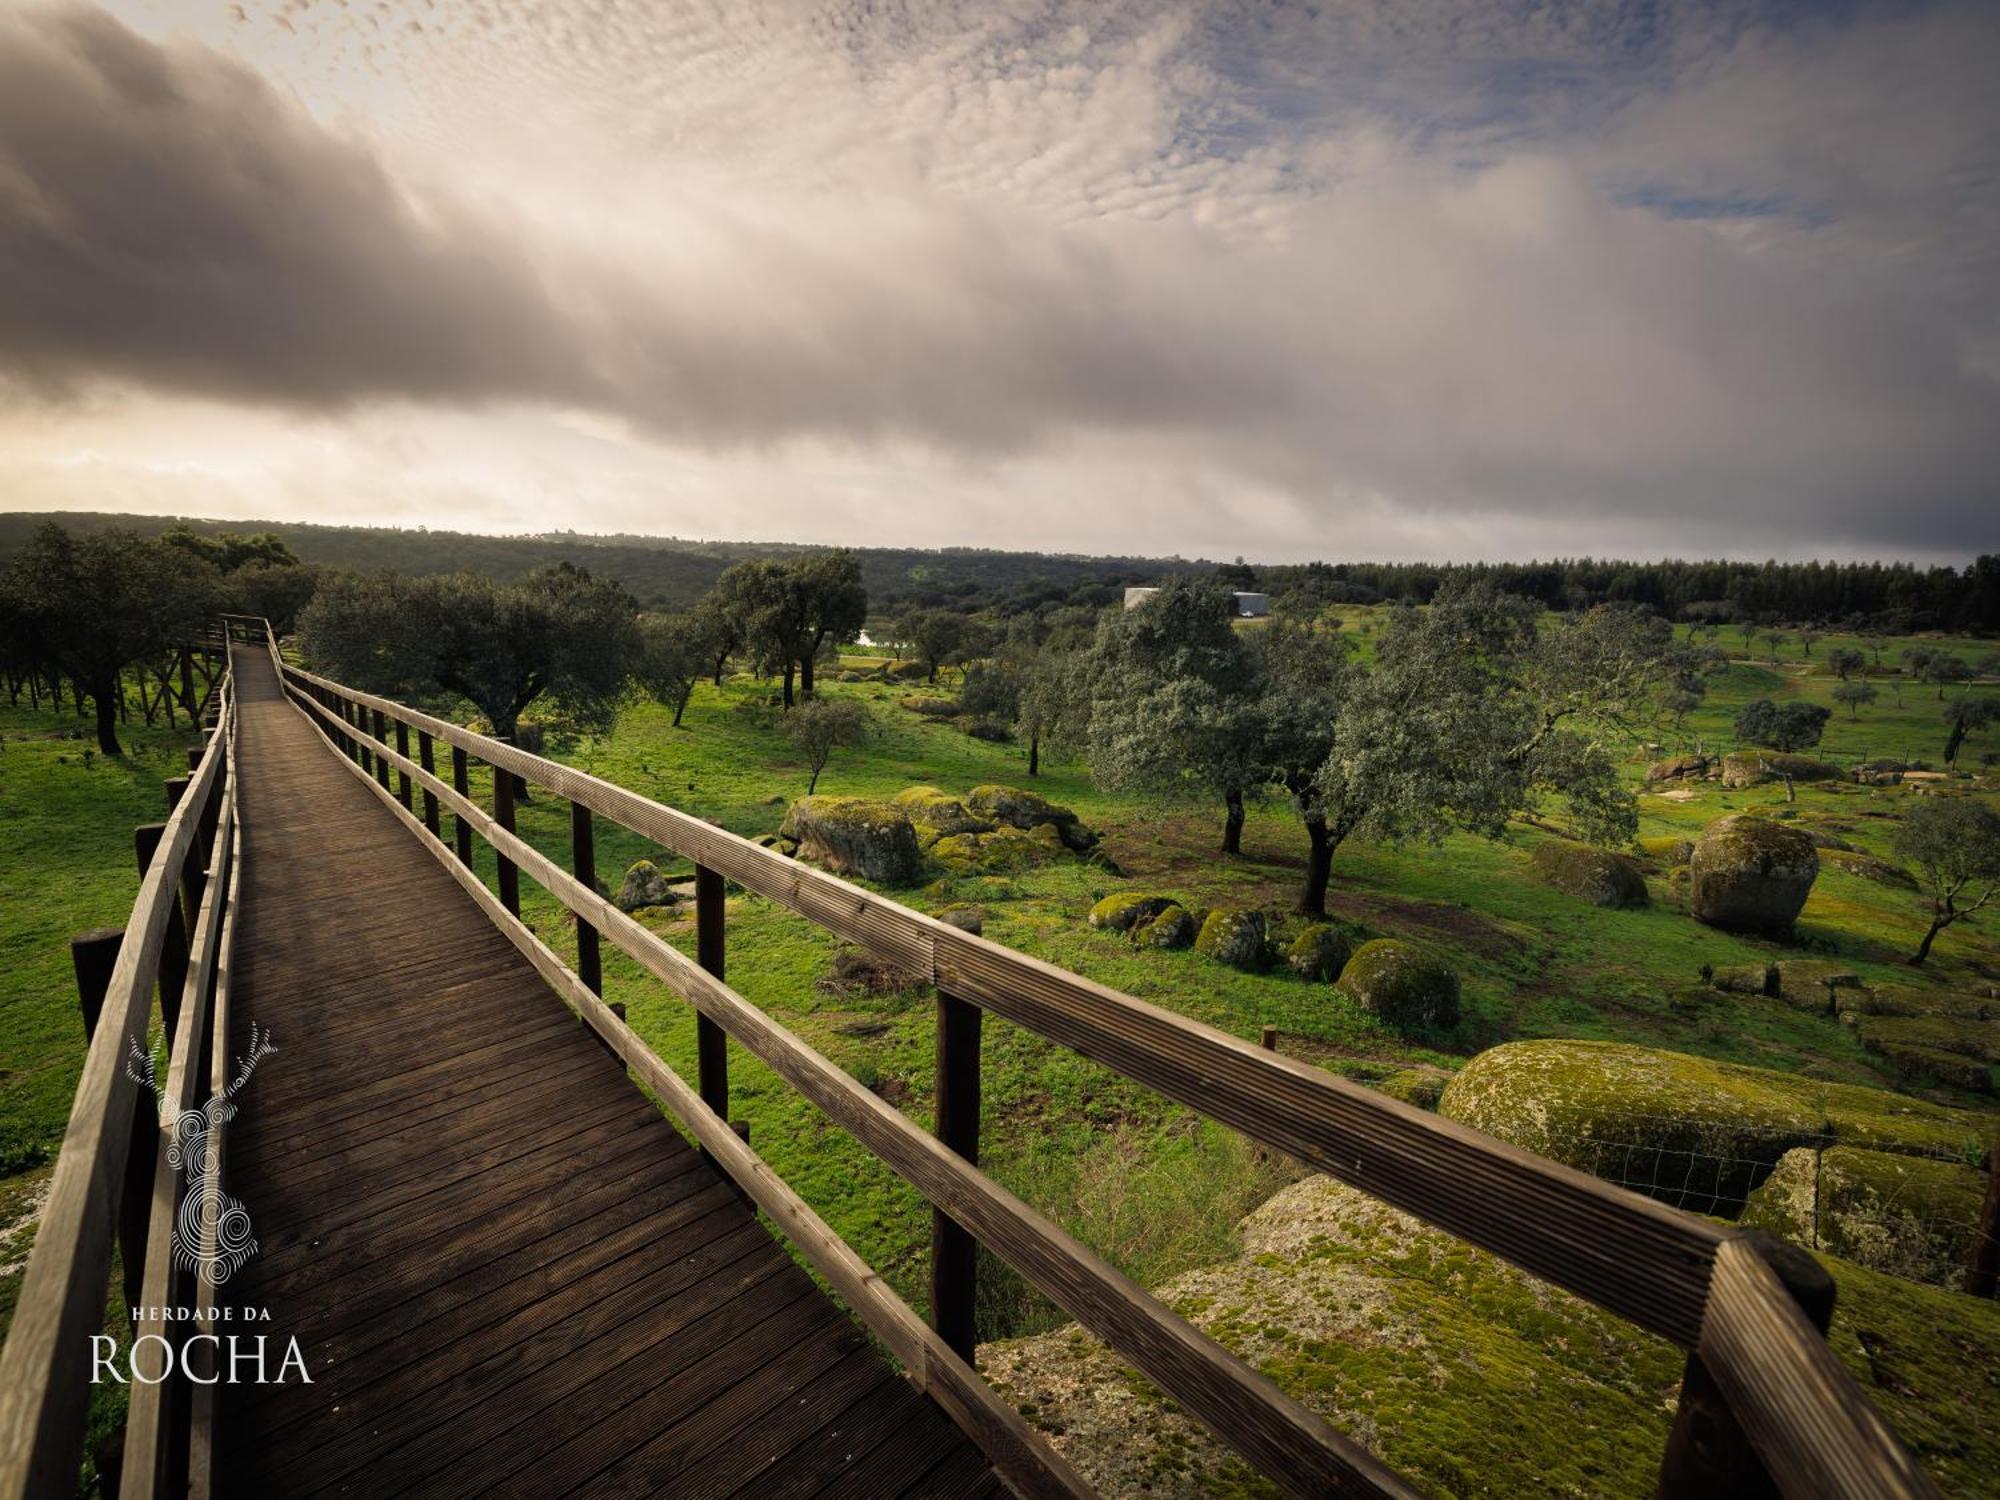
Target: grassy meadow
x,y
1155,1189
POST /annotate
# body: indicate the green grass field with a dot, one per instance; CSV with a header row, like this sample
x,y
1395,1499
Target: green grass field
x,y
1148,1184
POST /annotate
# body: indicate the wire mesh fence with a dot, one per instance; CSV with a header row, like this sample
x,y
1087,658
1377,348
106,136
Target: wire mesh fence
x,y
1913,1203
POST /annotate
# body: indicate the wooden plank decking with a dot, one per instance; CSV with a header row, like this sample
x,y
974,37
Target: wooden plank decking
x,y
508,1273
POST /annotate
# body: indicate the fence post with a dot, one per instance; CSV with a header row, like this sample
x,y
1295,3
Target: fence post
x,y
583,865
461,782
402,776
503,814
174,942
1708,1454
358,720
381,730
427,758
94,955
711,1043
954,1252
1984,1270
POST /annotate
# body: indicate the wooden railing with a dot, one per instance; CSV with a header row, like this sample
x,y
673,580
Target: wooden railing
x,y
1765,1389
113,1182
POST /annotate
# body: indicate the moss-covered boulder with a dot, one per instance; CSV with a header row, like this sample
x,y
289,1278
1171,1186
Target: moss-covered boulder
x,y
1741,768
1671,850
1401,984
1017,808
936,814
931,708
1421,1086
965,918
1751,875
1320,951
1914,1000
1695,1132
1678,768
1745,979
1595,875
1173,928
857,836
1121,910
1234,937
1000,852
1959,1050
1907,1215
644,885
1812,984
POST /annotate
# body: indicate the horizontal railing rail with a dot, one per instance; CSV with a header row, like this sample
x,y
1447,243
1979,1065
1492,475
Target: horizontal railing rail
x,y
1701,1285
113,1184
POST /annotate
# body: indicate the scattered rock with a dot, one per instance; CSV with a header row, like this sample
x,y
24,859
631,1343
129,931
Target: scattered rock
x,y
1234,937
1017,808
1175,927
1000,852
1906,1215
1910,1000
1810,983
644,886
1596,875
1868,867
1421,1086
935,814
1741,768
1749,874
854,972
1321,951
1746,979
1401,984
1121,909
1958,1049
970,919
1679,768
857,836
933,708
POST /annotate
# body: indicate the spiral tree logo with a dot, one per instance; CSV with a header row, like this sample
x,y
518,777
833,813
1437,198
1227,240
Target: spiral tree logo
x,y
212,1232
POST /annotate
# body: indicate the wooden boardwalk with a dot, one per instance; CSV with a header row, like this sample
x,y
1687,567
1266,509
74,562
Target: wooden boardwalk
x,y
508,1273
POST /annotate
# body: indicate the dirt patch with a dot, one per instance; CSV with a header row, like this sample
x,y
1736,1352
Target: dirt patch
x,y
856,973
1433,920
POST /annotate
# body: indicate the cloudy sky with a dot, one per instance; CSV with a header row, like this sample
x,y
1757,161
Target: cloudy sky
x,y
1388,278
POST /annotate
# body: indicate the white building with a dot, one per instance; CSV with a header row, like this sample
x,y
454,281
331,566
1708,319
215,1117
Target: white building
x,y
1248,606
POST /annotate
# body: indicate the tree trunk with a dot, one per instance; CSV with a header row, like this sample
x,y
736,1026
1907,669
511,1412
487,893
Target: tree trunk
x,y
106,695
1923,952
1319,866
721,661
1232,825
680,707
1034,755
506,730
1951,745
806,675
812,783
790,667
187,685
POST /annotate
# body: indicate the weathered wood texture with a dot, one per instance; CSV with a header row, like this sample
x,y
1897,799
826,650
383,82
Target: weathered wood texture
x,y
507,1271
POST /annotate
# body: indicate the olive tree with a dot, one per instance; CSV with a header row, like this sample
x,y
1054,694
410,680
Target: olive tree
x,y
558,635
1845,662
1853,695
93,605
1304,677
822,725
672,657
1966,716
1789,727
1953,845
1172,701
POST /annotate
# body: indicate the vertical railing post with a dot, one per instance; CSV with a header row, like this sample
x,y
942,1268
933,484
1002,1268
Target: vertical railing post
x,y
427,758
1708,1453
381,761
1983,1271
954,1252
356,746
94,955
174,942
711,1042
461,782
503,814
583,865
402,776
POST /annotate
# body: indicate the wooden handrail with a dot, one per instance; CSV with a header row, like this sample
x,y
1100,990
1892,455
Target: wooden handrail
x,y
45,1368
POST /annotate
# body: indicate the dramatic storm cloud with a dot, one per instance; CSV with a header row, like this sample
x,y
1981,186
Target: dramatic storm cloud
x,y
1410,279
